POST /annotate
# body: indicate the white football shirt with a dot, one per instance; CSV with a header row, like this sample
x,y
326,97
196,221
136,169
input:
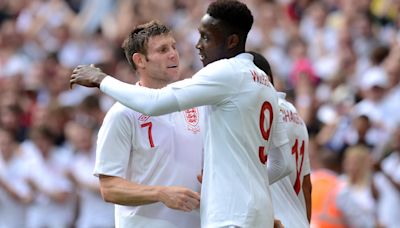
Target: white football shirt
x,y
241,125
287,206
298,140
164,150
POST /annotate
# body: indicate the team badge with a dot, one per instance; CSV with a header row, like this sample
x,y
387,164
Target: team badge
x,y
192,120
143,118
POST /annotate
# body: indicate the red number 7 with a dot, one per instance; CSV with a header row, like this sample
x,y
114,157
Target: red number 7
x,y
149,124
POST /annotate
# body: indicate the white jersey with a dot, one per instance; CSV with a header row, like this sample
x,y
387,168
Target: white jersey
x,y
242,126
298,139
289,205
164,150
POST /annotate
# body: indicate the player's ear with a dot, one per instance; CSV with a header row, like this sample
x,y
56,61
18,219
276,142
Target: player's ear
x,y
138,59
233,40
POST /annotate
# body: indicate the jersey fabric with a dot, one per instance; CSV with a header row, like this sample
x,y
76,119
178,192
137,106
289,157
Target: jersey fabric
x,y
287,193
164,150
298,140
241,126
287,206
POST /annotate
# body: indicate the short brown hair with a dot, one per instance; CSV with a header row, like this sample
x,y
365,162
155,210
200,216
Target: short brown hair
x,y
138,39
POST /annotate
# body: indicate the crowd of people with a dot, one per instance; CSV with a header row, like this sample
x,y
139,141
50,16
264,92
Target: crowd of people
x,y
338,62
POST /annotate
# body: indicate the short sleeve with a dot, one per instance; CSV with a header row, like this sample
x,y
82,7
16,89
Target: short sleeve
x,y
114,143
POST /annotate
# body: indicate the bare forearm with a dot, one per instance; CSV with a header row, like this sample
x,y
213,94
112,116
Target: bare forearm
x,y
119,191
307,188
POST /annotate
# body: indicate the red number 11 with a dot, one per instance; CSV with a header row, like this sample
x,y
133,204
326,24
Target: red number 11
x,y
295,151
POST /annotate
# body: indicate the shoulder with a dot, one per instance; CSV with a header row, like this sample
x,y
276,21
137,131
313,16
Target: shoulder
x,y
225,70
220,67
119,113
285,104
120,109
119,121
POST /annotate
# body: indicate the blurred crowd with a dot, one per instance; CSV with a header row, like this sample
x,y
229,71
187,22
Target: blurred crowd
x,y
337,60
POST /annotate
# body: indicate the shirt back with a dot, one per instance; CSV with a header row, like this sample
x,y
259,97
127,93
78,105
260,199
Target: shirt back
x,y
241,124
298,140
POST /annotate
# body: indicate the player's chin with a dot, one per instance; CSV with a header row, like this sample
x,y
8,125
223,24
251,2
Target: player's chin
x,y
205,60
173,72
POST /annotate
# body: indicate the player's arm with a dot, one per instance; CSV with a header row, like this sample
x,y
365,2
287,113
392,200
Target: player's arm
x,y
120,191
114,146
280,162
307,187
206,87
305,172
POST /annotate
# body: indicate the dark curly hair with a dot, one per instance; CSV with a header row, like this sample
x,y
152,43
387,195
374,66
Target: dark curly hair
x,y
232,13
138,39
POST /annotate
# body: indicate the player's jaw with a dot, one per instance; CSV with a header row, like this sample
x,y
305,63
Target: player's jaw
x,y
173,69
209,54
170,72
172,65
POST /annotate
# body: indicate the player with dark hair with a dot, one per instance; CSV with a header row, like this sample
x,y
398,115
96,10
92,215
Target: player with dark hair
x,y
294,189
243,118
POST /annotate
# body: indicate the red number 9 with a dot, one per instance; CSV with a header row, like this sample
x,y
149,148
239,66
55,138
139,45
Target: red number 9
x,y
265,132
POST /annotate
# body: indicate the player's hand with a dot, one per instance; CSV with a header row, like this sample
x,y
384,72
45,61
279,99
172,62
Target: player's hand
x,y
179,198
89,76
200,177
278,224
